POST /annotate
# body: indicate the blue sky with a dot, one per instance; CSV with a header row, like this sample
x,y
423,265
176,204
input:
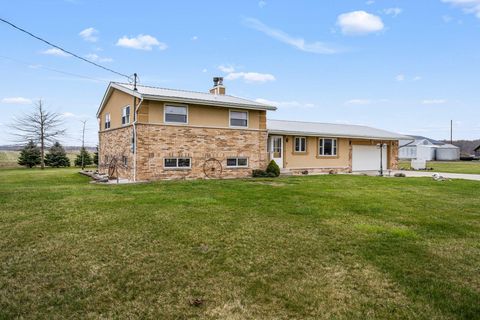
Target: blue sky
x,y
405,66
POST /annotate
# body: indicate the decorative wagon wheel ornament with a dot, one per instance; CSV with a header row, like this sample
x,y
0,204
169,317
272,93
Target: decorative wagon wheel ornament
x,y
212,168
112,168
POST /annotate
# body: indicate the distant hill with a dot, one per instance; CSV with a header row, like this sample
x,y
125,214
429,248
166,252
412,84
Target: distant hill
x,y
466,146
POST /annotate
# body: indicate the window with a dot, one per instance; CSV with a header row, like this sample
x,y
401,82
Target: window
x,y
107,121
237,162
176,114
300,144
125,160
177,163
238,118
126,115
327,147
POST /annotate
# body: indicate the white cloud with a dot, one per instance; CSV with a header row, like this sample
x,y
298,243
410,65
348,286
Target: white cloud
x,y
468,6
226,69
16,100
298,43
434,101
262,3
393,11
286,104
194,38
417,78
141,42
446,18
358,102
369,2
55,52
359,23
68,115
96,58
204,70
89,34
400,77
251,76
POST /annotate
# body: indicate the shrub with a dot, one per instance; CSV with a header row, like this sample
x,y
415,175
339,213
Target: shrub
x,y
57,157
273,169
262,174
30,155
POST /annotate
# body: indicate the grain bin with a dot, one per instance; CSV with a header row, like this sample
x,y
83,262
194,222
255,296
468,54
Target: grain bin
x,y
448,152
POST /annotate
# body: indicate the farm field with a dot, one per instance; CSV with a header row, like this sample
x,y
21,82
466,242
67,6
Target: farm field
x,y
471,167
313,247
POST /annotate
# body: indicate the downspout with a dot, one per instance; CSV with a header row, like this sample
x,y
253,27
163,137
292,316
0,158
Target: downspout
x,y
135,110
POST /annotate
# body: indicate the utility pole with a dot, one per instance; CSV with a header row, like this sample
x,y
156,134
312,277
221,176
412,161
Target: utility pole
x,y
83,144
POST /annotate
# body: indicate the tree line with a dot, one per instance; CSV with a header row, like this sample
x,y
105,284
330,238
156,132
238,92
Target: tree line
x,y
41,129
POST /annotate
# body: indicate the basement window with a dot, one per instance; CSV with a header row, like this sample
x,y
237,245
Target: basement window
x,y
327,147
177,163
300,144
125,161
237,162
176,114
107,121
126,115
238,119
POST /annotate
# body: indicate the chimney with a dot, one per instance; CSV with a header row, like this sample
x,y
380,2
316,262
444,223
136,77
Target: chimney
x,y
218,87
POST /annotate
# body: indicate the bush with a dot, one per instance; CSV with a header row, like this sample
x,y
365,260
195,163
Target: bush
x,y
57,157
262,174
273,169
30,155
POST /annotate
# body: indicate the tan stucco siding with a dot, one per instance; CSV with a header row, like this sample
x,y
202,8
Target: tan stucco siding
x,y
114,106
311,158
205,116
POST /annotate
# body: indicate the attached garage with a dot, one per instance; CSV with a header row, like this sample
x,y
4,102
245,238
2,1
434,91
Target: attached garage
x,y
367,158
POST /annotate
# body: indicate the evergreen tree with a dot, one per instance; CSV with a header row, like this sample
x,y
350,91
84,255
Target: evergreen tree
x,y
30,155
87,158
57,157
95,157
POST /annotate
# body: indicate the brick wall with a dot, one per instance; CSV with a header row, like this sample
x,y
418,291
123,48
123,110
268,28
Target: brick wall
x,y
116,143
156,142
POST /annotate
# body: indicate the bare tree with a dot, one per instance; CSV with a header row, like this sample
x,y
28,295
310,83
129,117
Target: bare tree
x,y
41,126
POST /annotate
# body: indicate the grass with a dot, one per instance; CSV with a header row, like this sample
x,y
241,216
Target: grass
x,y
318,247
472,167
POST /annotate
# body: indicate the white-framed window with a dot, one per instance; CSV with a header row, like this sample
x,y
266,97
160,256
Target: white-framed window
x,y
126,115
175,114
327,147
107,121
177,163
240,162
300,144
239,119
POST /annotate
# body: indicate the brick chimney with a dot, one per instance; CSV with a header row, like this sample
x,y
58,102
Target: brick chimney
x,y
218,87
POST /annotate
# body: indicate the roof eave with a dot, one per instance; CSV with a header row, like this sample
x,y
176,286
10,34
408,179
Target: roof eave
x,y
111,86
208,103
323,134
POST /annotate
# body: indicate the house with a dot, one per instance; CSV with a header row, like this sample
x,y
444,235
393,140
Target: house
x,y
423,148
149,133
477,151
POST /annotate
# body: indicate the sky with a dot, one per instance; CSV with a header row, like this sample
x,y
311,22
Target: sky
x,y
404,66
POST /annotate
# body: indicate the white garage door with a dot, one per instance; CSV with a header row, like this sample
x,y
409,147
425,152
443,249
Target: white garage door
x,y
366,158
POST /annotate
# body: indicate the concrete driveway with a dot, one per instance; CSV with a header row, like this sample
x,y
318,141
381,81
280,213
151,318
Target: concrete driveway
x,y
429,174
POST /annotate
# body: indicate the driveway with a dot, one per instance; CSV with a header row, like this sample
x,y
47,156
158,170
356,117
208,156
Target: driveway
x,y
429,174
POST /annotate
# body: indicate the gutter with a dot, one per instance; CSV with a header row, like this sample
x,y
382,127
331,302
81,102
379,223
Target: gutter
x,y
336,135
135,110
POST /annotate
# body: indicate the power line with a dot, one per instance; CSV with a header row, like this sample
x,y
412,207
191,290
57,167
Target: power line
x,y
52,69
64,50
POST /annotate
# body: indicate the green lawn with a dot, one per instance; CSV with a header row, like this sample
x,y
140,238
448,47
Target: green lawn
x,y
315,247
449,166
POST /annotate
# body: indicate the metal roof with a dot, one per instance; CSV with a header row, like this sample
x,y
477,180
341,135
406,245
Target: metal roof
x,y
155,93
330,130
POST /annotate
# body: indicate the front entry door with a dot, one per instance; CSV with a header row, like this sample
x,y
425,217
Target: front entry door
x,y
276,150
